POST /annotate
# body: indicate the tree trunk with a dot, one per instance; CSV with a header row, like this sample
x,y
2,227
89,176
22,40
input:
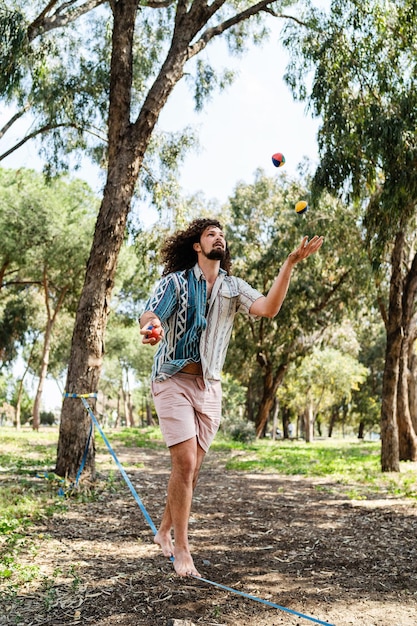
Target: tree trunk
x,y
275,420
333,419
18,408
389,430
309,423
51,319
407,439
271,382
88,336
149,419
130,409
42,375
127,144
125,405
412,386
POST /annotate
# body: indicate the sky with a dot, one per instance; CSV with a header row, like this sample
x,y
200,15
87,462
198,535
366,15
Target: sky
x,y
239,131
240,128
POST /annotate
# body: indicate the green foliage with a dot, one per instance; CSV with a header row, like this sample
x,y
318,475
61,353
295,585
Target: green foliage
x,y
45,234
233,423
13,47
47,418
360,59
240,430
263,229
15,322
324,378
149,437
207,79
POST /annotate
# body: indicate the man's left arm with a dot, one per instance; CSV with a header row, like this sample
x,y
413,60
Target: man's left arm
x,y
269,305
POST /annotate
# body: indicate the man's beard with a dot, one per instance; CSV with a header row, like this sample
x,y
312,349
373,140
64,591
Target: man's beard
x,y
216,254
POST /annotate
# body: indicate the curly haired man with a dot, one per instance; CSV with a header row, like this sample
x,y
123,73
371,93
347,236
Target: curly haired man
x,y
190,314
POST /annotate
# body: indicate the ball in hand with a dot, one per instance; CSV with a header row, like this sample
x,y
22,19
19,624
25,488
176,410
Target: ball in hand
x,y
153,333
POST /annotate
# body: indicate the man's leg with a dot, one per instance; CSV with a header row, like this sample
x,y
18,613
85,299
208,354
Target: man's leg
x,y
186,460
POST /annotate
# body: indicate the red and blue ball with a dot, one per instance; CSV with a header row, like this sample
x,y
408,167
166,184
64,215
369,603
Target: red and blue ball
x,y
278,159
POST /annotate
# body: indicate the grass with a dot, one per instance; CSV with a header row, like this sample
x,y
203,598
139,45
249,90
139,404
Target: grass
x,y
149,437
353,463
28,493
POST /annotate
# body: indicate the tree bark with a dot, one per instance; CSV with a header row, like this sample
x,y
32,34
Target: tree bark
x,y
412,384
309,423
46,348
333,419
124,160
271,381
407,439
389,430
406,432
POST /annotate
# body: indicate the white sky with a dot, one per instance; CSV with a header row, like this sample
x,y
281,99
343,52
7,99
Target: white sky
x,y
240,128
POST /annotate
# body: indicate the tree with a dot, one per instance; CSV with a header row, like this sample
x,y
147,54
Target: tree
x,y
364,88
189,27
55,220
325,379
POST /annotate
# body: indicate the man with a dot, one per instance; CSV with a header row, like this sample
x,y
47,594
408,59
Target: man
x,y
191,313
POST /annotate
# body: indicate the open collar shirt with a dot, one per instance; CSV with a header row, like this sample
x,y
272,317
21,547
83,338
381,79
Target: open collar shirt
x,y
195,328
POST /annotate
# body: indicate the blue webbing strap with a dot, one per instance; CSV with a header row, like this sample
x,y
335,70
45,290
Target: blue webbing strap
x,y
84,459
154,529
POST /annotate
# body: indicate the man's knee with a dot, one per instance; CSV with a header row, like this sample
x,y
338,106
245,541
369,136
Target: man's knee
x,y
184,458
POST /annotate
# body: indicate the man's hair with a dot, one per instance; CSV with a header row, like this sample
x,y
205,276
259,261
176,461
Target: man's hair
x,y
177,252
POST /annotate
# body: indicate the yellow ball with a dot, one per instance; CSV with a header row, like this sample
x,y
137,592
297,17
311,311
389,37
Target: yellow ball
x,y
301,207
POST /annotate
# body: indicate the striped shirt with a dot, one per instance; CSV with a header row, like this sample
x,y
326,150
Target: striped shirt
x,y
196,329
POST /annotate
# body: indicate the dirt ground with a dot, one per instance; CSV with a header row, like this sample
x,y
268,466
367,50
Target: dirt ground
x,y
297,543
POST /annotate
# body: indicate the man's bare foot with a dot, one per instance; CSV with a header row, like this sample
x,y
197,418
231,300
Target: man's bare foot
x,y
184,564
165,542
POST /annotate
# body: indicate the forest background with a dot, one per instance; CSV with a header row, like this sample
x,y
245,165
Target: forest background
x,y
75,267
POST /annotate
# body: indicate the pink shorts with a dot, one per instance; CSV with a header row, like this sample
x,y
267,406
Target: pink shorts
x,y
187,409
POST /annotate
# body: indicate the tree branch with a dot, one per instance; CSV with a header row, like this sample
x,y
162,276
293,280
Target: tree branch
x,y
325,301
215,31
40,131
65,14
158,4
14,119
44,23
21,282
46,129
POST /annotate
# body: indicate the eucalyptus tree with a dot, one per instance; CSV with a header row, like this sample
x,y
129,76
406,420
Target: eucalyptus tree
x,y
264,229
324,379
47,229
361,66
139,65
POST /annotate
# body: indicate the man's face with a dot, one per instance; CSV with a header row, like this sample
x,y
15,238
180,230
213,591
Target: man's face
x,y
213,243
